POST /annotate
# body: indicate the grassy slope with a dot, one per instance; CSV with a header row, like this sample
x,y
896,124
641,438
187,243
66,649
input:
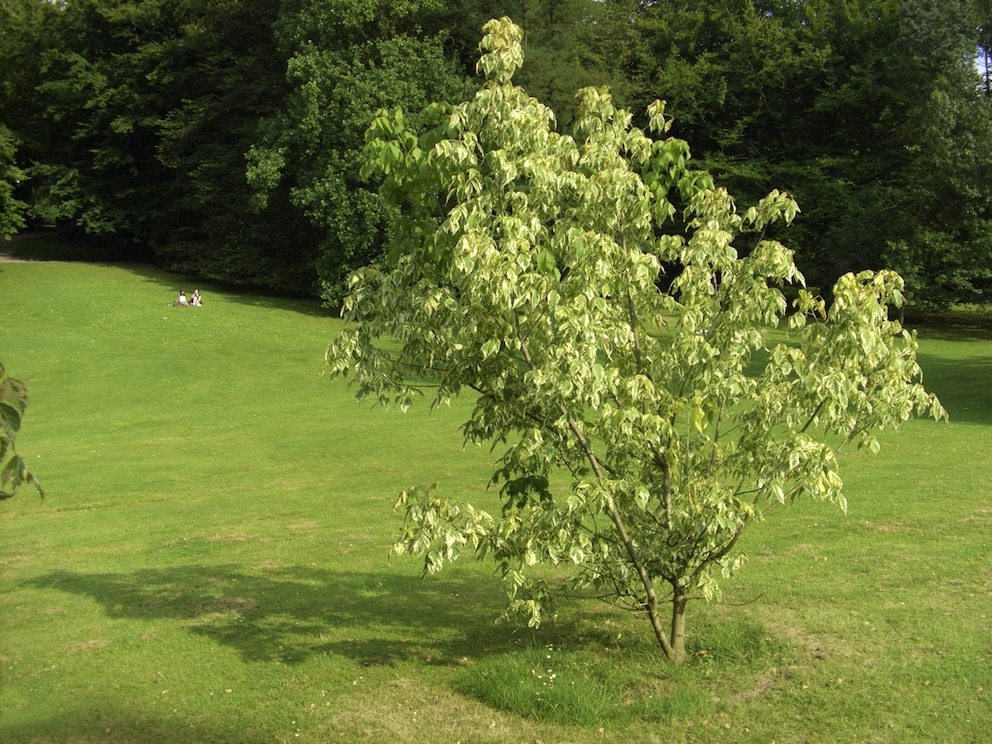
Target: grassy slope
x,y
211,563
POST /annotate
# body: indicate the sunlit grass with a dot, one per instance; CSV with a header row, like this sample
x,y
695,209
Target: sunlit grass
x,y
212,560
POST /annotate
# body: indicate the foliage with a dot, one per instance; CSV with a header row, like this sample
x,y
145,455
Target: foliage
x,y
222,137
134,119
11,209
527,270
219,73
94,153
345,61
868,112
13,470
137,119
21,45
570,44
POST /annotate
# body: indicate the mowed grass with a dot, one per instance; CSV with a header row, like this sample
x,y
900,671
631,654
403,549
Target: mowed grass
x,y
211,562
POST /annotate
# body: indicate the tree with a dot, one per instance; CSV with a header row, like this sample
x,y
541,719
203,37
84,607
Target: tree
x,y
942,242
570,44
13,470
11,209
26,24
133,119
867,111
983,59
526,270
348,59
95,166
345,61
218,74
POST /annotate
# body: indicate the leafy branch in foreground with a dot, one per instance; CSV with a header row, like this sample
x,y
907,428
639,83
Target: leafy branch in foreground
x,y
588,289
13,470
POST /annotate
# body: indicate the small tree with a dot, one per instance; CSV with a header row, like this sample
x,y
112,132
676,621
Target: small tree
x,y
13,470
614,338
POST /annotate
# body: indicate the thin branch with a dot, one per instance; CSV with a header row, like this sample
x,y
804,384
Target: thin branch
x,y
716,437
813,416
615,517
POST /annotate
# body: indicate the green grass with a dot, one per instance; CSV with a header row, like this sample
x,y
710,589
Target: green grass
x,y
211,561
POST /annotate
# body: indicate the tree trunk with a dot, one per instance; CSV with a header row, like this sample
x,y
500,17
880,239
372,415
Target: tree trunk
x,y
659,633
677,638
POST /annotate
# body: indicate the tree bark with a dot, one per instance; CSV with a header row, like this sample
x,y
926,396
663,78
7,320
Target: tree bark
x,y
651,606
677,638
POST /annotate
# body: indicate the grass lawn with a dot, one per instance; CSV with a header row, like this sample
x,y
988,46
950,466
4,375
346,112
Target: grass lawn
x,y
211,562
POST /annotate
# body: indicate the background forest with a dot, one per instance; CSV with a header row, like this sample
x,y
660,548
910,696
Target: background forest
x,y
223,138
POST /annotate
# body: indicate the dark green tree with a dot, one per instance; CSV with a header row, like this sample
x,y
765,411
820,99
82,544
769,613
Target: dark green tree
x,y
97,166
983,60
221,137
145,111
24,131
867,111
11,209
345,61
218,76
942,216
351,58
570,44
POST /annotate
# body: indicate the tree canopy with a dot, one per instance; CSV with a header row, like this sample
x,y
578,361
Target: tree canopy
x,y
646,424
222,138
869,112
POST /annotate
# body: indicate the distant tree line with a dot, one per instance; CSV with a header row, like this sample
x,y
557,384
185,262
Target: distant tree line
x,y
223,138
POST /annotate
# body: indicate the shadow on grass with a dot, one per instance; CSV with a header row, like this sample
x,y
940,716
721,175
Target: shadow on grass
x,y
112,725
963,384
172,283
952,326
288,614
45,248
56,246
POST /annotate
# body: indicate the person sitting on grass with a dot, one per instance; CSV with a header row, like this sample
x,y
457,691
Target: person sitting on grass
x,y
181,299
195,300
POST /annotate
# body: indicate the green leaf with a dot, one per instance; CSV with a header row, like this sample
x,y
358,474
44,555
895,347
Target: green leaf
x,y
546,262
11,417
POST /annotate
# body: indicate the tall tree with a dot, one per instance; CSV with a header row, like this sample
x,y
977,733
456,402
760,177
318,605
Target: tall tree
x,y
866,111
570,44
148,109
25,25
217,76
941,169
101,172
12,210
526,271
27,30
983,60
346,60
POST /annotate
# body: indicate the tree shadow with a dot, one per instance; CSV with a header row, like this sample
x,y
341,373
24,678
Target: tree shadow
x,y
171,283
950,326
964,386
59,245
120,725
289,614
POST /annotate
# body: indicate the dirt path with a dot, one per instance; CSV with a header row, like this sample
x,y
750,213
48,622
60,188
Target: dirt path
x,y
7,257
7,252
